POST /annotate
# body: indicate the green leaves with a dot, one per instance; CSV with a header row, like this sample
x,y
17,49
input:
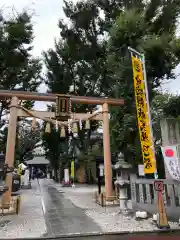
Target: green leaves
x,y
145,30
18,69
92,58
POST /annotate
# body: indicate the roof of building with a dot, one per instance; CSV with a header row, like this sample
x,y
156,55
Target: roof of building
x,y
37,160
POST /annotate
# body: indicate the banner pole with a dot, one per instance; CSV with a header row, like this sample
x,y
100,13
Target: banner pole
x,y
148,109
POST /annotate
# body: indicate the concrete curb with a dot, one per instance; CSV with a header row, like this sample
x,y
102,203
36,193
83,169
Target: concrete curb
x,y
96,234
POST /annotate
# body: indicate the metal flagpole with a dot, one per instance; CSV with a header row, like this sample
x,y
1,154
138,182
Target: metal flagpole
x,y
142,57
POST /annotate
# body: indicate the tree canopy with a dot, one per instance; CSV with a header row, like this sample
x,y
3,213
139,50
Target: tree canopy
x,y
91,57
19,70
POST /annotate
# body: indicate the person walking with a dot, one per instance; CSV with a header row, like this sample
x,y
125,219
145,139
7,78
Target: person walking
x,y
39,173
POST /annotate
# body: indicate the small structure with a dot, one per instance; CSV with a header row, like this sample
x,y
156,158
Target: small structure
x,y
38,162
122,182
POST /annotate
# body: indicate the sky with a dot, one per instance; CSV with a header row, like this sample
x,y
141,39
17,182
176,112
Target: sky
x,y
46,15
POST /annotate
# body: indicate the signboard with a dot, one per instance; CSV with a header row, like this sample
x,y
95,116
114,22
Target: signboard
x,y
162,219
143,117
141,170
158,185
62,106
171,161
101,170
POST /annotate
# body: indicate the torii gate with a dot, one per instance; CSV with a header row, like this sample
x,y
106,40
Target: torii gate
x,y
17,111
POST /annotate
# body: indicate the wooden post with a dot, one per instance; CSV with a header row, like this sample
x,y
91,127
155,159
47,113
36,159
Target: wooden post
x,y
107,152
10,147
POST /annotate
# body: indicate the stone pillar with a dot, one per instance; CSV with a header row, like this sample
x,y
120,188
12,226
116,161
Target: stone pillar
x,y
123,198
164,132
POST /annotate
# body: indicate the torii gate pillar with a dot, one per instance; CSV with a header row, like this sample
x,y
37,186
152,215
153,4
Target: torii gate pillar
x,y
107,152
10,147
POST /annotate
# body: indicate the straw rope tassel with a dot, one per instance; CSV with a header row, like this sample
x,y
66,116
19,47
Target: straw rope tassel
x,y
75,128
48,128
87,125
63,132
33,123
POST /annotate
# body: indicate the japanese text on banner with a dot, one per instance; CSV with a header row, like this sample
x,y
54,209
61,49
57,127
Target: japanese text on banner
x,y
143,118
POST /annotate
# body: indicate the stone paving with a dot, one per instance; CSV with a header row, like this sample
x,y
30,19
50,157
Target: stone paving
x,y
62,216
30,221
49,210
108,218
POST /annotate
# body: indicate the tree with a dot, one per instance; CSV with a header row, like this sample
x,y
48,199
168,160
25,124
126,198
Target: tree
x,y
92,58
172,107
56,149
158,104
18,69
76,64
26,140
142,26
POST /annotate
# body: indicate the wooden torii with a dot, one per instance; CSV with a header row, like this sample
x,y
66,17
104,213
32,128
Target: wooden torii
x,y
17,111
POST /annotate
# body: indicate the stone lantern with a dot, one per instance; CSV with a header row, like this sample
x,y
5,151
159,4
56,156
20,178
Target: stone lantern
x,y
122,182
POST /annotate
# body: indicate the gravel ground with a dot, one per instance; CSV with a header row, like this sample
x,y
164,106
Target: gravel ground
x,y
109,218
30,221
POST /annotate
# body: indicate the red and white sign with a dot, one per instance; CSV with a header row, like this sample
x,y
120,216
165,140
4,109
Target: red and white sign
x,y
171,160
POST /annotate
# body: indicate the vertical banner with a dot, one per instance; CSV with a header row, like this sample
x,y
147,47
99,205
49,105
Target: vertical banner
x,y
171,160
72,169
143,117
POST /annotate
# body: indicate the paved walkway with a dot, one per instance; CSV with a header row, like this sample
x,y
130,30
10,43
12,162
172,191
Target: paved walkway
x,y
30,221
108,218
61,216
48,212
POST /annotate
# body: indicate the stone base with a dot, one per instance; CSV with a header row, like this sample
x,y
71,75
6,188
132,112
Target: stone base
x,y
9,211
66,185
126,212
105,202
26,186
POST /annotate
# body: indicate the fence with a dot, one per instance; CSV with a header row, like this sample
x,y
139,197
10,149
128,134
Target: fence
x,y
143,196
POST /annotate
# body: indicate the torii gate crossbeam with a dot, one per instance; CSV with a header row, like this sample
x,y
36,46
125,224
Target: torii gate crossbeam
x,y
50,97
